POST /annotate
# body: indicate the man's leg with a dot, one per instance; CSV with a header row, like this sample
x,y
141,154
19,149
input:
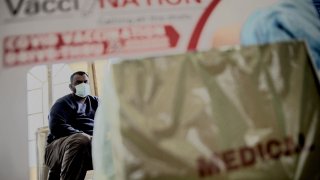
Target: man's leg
x,y
70,157
54,175
53,157
77,158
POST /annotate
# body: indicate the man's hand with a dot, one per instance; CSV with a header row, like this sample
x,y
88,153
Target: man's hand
x,y
89,136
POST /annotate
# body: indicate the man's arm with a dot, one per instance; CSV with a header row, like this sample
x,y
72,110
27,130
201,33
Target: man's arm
x,y
58,116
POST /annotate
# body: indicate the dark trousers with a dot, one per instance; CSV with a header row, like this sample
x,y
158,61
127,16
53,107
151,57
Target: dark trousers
x,y
69,157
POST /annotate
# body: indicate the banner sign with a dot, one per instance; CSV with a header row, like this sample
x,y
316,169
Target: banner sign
x,y
47,31
92,43
242,113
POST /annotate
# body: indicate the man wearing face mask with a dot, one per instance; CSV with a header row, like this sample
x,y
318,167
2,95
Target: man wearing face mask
x,y
71,118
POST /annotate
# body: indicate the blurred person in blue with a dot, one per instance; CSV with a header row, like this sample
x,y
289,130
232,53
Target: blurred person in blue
x,y
71,119
286,20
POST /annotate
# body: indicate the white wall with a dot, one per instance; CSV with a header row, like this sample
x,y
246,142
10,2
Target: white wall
x,y
13,125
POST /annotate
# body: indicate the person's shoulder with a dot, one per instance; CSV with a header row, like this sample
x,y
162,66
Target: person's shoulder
x,y
65,101
65,98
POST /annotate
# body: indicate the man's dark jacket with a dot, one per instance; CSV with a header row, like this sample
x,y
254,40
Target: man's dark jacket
x,y
67,117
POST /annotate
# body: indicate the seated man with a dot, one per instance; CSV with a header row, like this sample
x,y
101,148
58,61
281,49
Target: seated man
x,y
71,118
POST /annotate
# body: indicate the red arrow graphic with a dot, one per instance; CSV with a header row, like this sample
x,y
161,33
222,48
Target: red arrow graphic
x,y
172,34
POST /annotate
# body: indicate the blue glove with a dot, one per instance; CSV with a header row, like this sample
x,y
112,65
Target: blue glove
x,y
287,20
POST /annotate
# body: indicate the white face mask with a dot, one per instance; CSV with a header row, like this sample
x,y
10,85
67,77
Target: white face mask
x,y
82,90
